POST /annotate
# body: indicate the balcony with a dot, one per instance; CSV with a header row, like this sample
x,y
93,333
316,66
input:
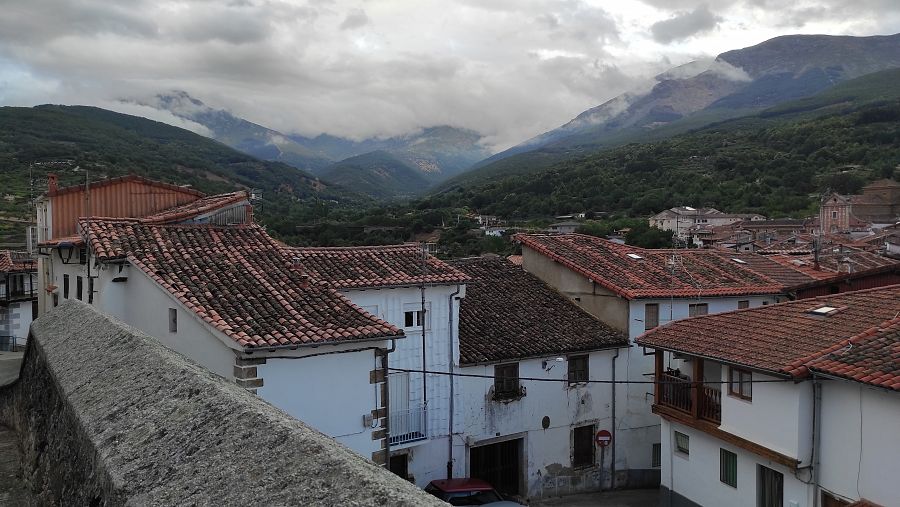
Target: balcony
x,y
692,398
408,425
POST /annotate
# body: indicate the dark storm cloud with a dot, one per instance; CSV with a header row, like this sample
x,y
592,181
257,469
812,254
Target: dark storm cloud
x,y
356,18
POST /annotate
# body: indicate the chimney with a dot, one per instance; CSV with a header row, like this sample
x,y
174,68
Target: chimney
x,y
248,214
52,184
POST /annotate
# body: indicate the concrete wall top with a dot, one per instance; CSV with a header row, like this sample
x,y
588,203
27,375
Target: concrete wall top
x,y
149,427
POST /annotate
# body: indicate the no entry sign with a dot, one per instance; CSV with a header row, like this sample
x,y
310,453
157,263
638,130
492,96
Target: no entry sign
x,y
603,438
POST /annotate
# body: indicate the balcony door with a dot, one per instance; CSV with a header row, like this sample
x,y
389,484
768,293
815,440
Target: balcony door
x,y
407,420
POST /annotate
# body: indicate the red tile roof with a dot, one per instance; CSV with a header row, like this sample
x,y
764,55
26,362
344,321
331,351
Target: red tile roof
x,y
238,281
11,261
871,357
504,316
374,266
693,273
196,208
786,338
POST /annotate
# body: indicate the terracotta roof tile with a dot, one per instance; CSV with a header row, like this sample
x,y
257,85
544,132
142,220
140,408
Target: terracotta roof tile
x,y
238,280
872,357
11,261
198,207
786,338
374,266
652,273
509,313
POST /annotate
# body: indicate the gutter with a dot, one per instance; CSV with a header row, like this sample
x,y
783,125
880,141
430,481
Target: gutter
x,y
544,355
294,346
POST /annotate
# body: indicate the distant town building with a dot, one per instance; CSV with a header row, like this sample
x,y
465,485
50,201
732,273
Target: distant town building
x,y
564,227
791,404
877,206
682,220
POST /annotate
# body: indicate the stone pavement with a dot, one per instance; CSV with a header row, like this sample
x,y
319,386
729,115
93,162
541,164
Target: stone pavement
x,y
621,498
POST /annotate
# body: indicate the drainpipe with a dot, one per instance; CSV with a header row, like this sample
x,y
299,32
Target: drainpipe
x,y
452,380
387,404
612,466
817,436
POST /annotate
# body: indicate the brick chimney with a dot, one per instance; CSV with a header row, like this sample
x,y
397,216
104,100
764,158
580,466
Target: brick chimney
x,y
52,184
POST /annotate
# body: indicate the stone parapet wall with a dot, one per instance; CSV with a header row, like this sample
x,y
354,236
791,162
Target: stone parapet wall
x,y
108,416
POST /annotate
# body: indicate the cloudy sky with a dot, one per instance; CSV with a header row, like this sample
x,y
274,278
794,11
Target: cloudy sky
x,y
509,69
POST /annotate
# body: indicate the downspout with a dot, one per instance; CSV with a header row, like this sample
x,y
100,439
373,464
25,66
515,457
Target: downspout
x,y
452,380
612,466
387,404
817,436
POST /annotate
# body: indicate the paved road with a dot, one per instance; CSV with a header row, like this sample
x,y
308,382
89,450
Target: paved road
x,y
10,362
622,498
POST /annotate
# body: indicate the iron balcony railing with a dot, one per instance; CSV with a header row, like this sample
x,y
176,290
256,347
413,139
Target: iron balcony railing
x,y
408,425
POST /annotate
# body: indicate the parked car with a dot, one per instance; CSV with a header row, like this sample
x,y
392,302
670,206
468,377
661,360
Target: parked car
x,y
468,492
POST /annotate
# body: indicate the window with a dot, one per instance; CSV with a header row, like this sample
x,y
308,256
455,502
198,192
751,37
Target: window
x,y
173,320
656,456
834,214
769,487
728,467
506,381
578,369
79,287
682,443
413,316
651,316
583,446
743,304
90,290
55,300
65,286
82,255
698,309
740,383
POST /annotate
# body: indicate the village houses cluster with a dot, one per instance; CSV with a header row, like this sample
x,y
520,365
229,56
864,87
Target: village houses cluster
x,y
723,376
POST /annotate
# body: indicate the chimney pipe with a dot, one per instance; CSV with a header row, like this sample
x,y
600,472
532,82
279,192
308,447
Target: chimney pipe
x,y
52,183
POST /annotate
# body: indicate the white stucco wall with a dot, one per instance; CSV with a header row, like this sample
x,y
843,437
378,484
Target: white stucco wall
x,y
778,417
548,452
427,459
696,476
860,439
330,392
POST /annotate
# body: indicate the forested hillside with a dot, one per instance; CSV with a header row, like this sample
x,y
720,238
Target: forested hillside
x,y
36,141
775,163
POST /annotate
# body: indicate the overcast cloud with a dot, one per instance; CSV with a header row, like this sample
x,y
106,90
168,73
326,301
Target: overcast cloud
x,y
509,69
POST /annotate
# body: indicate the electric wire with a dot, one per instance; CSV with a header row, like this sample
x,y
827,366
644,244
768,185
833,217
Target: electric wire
x,y
540,379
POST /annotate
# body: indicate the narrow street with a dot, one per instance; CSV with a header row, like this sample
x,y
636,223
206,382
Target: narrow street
x,y
623,498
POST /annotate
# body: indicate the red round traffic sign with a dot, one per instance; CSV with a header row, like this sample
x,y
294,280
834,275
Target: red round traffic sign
x,y
603,438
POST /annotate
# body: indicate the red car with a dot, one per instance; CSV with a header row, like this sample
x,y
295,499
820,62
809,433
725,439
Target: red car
x,y
467,492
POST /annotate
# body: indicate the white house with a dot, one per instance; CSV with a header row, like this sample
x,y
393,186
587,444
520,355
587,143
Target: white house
x,y
684,220
396,283
635,289
791,404
18,300
533,438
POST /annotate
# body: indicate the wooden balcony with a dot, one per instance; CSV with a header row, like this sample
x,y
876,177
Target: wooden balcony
x,y
695,399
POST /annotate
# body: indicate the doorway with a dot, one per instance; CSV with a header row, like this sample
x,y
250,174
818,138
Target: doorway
x,y
499,464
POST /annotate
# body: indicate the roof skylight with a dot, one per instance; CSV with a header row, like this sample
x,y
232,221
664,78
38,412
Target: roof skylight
x,y
739,261
634,256
823,310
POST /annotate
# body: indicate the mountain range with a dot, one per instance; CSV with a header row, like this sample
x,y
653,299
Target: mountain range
x,y
734,84
435,153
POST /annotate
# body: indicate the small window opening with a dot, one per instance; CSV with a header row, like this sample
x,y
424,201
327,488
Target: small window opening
x,y
173,320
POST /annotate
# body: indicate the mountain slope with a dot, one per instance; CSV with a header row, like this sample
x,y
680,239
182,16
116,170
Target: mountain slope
x,y
775,162
43,139
735,84
377,174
